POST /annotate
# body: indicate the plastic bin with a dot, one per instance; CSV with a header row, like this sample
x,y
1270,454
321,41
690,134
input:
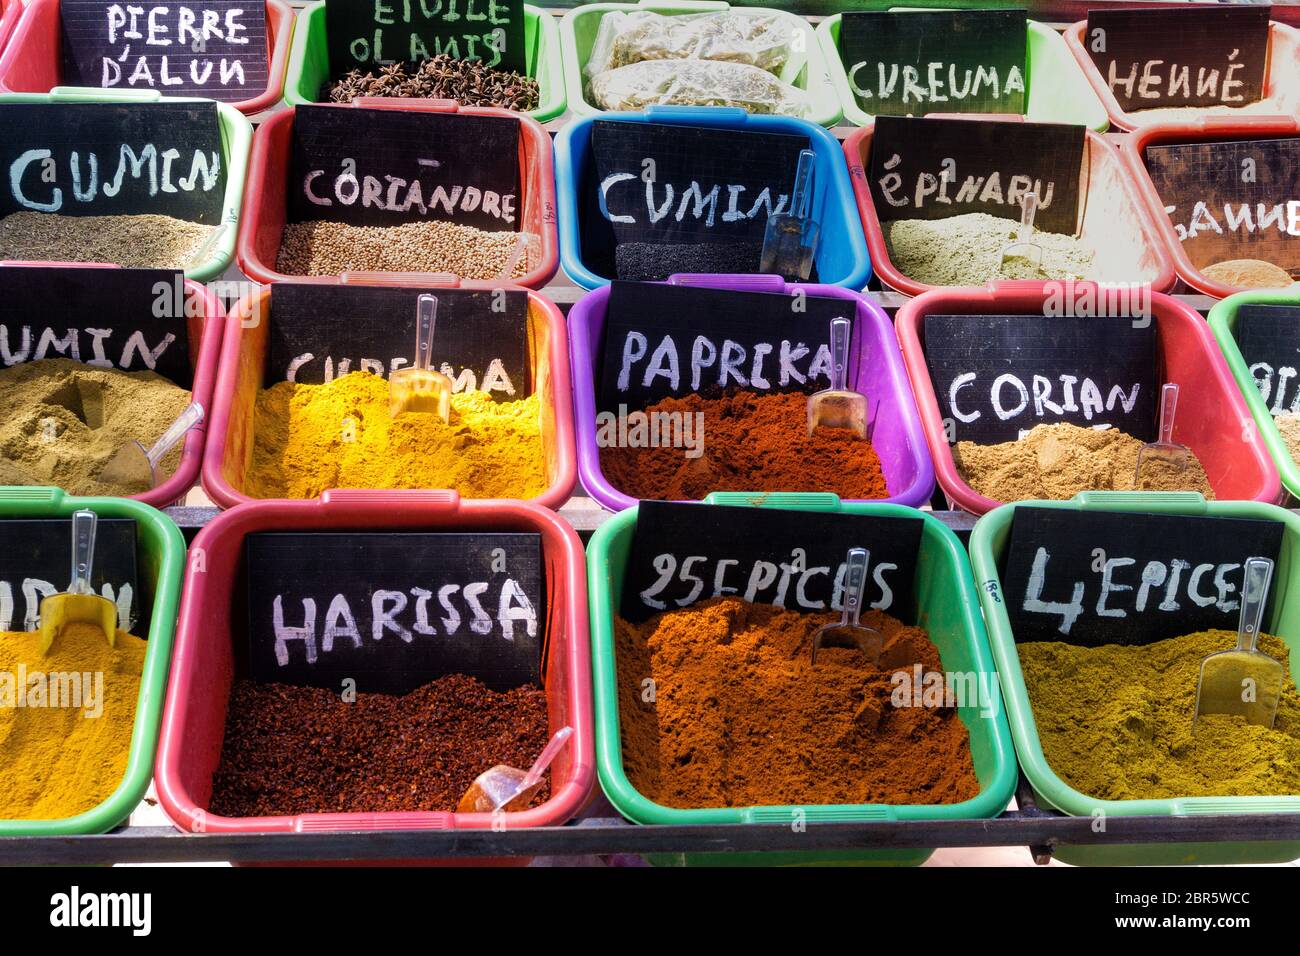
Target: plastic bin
x,y
1056,91
160,555
1133,152
10,13
1281,82
210,627
243,362
1115,219
878,371
810,73
1223,323
236,134
946,607
1211,415
309,64
265,210
841,257
34,62
988,549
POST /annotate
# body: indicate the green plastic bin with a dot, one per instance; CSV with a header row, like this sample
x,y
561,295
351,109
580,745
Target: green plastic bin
x,y
236,139
1055,88
946,606
988,546
309,59
1223,323
579,26
160,553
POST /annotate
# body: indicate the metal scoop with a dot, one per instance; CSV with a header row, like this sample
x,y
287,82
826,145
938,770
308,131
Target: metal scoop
x,y
1164,449
1244,681
849,632
133,468
509,788
1022,248
790,240
838,406
421,388
80,604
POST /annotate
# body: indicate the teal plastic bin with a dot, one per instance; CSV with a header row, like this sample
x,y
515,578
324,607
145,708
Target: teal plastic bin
x,y
309,65
988,548
1056,90
946,606
809,73
1223,323
236,140
160,555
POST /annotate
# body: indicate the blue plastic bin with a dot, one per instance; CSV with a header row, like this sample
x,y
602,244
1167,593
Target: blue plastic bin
x,y
841,258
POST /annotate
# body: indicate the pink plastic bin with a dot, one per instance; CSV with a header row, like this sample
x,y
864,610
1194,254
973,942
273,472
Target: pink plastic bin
x,y
203,665
1212,417
33,62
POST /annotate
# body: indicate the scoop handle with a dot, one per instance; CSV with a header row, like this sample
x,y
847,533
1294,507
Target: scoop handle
x,y
841,332
1168,405
801,194
84,523
855,583
426,317
1028,210
549,753
192,415
1254,595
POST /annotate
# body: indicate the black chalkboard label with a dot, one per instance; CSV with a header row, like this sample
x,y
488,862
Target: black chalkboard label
x,y
105,159
394,611
936,168
35,561
1268,337
320,332
1189,56
386,167
212,48
662,341
1232,199
684,553
367,34
935,61
996,376
1093,577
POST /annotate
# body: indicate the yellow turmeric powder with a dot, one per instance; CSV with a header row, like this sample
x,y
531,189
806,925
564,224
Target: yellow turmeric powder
x,y
66,719
310,438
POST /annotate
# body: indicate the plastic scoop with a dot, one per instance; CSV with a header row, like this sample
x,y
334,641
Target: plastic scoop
x,y
200,255
790,239
421,388
80,604
1022,248
838,406
134,468
849,632
1244,681
1164,449
509,788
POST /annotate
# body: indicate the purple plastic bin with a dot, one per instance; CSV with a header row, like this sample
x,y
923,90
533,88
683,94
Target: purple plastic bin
x,y
875,367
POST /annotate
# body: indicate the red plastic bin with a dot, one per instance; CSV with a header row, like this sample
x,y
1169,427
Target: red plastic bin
x,y
205,329
262,221
11,12
1133,151
204,668
230,432
1212,415
1128,245
33,61
1281,82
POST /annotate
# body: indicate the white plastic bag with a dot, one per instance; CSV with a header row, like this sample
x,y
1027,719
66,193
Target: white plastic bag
x,y
696,83
760,40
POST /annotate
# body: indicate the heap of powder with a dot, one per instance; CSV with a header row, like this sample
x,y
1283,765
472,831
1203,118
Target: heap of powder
x,y
142,242
1190,114
60,422
1248,274
310,438
1115,722
750,442
1059,461
652,261
967,250
328,248
60,761
740,717
1288,424
291,750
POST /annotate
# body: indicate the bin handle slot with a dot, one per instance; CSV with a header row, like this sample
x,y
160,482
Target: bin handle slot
x,y
800,500
425,104
722,280
1168,502
79,93
413,280
388,500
